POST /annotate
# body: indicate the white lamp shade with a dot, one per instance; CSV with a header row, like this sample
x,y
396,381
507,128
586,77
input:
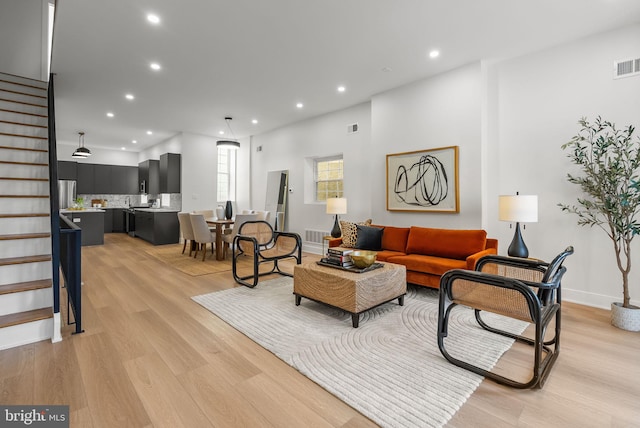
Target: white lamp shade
x,y
336,206
518,208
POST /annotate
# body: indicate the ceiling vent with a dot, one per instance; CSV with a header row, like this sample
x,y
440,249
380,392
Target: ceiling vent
x,y
626,68
352,128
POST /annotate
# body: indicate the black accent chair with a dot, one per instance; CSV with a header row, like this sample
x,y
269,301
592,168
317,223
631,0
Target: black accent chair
x,y
525,289
258,240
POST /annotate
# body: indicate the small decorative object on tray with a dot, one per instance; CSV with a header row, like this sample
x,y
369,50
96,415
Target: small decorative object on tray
x,y
363,258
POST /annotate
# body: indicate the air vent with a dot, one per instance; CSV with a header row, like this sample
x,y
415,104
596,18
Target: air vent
x,y
626,68
352,128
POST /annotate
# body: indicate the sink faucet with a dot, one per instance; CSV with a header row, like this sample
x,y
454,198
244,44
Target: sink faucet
x,y
128,202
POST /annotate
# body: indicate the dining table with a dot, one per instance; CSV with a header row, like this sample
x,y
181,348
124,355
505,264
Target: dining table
x,y
219,225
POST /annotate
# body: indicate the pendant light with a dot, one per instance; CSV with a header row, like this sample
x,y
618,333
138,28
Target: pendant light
x,y
228,144
81,152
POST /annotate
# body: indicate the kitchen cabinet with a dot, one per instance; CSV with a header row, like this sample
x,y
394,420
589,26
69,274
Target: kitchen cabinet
x,y
124,180
108,220
86,179
149,177
170,173
102,180
158,227
92,224
67,170
118,219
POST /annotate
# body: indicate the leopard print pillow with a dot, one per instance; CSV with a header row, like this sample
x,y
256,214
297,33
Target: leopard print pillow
x,y
350,232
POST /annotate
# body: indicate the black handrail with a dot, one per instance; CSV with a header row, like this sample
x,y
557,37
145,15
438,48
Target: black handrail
x,y
53,198
71,266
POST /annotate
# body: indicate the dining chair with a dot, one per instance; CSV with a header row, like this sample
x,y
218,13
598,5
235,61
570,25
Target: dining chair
x,y
186,230
202,234
238,222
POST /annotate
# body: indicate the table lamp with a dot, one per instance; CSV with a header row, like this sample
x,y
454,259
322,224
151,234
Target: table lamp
x,y
520,209
336,206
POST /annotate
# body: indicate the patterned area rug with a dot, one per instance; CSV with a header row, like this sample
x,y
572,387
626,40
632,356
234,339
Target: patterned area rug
x,y
172,256
389,368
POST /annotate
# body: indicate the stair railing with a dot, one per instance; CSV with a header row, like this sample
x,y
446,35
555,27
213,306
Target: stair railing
x,y
71,266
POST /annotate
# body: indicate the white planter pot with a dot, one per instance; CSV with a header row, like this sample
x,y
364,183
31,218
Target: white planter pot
x,y
625,318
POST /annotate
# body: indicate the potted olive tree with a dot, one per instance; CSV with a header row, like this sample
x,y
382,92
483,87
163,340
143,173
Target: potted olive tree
x,y
610,162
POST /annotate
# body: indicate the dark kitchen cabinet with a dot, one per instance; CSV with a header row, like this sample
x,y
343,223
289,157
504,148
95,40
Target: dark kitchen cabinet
x,y
131,180
67,170
158,227
102,179
85,179
118,219
108,220
124,180
149,177
170,173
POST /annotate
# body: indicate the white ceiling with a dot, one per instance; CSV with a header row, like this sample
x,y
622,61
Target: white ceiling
x,y
257,59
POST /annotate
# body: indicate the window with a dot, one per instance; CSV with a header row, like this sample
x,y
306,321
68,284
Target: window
x,y
226,175
328,173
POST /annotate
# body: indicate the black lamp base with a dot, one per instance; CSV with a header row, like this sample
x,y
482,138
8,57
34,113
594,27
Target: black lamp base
x,y
336,232
517,247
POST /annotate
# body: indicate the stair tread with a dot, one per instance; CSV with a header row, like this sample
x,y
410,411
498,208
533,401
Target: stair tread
x,y
9,122
25,317
23,163
25,259
22,215
18,287
24,178
23,78
23,112
28,149
23,196
23,136
22,102
23,93
24,236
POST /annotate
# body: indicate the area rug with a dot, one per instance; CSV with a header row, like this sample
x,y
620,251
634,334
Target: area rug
x,y
172,256
389,368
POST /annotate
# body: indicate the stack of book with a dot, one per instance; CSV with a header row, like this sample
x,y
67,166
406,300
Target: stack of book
x,y
339,256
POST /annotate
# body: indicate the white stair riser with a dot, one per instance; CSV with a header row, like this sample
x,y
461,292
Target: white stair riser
x,y
23,98
27,143
13,303
24,187
24,205
25,225
24,171
24,247
23,334
26,119
12,155
23,80
8,105
27,88
25,272
31,131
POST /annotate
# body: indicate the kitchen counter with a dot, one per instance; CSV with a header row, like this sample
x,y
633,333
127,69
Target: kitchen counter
x,y
84,210
158,226
90,221
156,210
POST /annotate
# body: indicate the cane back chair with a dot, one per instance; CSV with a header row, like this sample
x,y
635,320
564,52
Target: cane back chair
x,y
525,289
258,240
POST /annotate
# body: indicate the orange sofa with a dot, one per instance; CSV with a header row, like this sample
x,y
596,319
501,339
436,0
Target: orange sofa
x,y
428,253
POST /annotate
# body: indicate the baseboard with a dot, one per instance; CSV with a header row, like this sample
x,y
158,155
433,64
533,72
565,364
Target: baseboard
x,y
591,299
57,326
23,334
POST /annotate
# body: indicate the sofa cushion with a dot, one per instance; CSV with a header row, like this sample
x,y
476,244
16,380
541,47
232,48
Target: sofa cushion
x,y
369,238
384,255
350,232
428,264
395,238
448,243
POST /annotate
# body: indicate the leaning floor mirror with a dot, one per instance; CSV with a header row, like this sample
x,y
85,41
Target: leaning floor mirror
x,y
276,200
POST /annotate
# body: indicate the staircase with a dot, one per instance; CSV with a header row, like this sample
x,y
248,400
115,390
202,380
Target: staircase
x,y
26,295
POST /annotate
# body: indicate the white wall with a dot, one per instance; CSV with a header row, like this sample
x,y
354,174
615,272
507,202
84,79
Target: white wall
x,y
98,155
23,35
288,147
539,100
170,145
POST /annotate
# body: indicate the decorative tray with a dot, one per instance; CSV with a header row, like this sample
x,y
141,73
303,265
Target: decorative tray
x,y
351,268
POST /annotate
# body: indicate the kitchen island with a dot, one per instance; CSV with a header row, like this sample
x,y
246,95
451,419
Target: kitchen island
x,y
91,221
157,226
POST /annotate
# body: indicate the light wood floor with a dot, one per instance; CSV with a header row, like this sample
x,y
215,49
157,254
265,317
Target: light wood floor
x,y
150,356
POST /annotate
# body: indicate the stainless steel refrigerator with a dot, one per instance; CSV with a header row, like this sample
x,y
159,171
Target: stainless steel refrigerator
x,y
67,193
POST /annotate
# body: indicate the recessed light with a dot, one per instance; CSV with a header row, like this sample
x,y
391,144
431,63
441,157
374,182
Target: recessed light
x,y
341,89
155,66
134,141
154,19
299,105
386,69
129,97
109,114
254,121
149,132
221,132
123,148
434,54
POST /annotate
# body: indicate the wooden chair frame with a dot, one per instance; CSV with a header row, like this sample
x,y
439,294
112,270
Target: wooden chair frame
x,y
263,247
540,304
